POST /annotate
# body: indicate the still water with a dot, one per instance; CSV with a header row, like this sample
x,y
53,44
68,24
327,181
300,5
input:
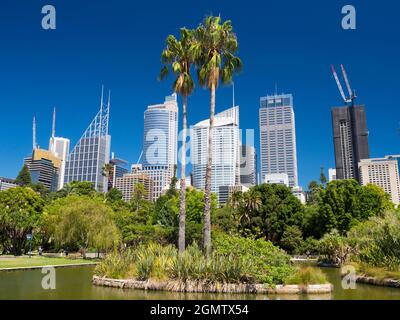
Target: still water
x,y
75,283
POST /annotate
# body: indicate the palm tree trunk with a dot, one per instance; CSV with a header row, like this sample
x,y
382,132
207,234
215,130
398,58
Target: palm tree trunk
x,y
207,193
182,193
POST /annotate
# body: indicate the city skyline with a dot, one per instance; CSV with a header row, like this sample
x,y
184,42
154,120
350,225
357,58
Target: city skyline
x,y
71,81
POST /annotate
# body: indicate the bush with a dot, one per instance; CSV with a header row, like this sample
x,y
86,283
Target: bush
x,y
136,234
334,249
378,241
307,275
268,263
292,240
115,265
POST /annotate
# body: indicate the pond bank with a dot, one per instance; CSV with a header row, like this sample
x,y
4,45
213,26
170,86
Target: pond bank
x,y
206,287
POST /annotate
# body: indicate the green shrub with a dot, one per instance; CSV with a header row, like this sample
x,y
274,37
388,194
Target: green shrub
x,y
307,275
378,242
115,264
265,262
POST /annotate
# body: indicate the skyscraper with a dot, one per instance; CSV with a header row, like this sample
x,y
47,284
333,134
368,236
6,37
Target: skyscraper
x,y
278,137
59,147
92,152
248,166
350,138
160,143
225,169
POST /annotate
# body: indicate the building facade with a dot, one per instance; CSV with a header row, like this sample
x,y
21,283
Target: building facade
x,y
225,192
59,147
160,143
277,178
383,172
248,166
225,169
331,174
126,184
92,152
44,168
6,183
119,168
278,152
350,138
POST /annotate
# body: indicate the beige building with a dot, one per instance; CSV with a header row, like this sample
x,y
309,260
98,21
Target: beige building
x,y
126,184
383,172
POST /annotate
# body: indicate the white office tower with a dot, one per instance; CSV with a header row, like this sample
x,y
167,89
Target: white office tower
x,y
332,174
383,172
278,137
160,143
92,152
59,147
226,151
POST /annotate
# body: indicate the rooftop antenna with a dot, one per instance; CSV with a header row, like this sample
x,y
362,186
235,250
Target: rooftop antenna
x,y
276,89
53,129
140,157
233,94
34,133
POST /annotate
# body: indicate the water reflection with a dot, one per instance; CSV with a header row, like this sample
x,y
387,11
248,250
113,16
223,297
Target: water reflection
x,y
75,283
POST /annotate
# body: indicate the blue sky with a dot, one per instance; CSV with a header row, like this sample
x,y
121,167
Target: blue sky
x,y
118,44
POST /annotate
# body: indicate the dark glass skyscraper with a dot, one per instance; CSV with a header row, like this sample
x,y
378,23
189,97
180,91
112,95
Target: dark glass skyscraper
x,y
350,138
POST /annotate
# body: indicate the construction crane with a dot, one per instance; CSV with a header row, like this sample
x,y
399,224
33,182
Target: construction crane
x,y
350,99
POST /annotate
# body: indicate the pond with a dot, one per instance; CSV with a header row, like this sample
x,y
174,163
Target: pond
x,y
75,283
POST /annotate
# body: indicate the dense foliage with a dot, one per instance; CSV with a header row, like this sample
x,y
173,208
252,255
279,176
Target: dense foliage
x,y
20,213
233,260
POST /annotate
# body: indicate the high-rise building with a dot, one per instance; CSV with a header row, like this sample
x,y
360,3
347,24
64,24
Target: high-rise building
x,y
126,184
248,166
6,183
350,138
278,137
44,168
59,147
225,169
160,143
332,174
383,172
92,152
119,168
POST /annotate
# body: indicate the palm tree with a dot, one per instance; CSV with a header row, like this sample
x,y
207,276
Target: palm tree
x,y
235,200
215,48
178,54
251,202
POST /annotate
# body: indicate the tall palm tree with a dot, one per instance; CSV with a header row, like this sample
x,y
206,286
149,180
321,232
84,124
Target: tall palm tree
x,y
179,56
215,48
251,202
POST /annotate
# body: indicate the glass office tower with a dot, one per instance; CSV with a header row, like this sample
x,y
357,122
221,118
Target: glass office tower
x,y
92,152
278,137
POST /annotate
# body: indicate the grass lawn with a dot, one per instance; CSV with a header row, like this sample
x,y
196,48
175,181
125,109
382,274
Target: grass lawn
x,y
36,261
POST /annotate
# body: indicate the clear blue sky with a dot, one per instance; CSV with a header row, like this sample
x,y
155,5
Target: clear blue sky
x,y
118,44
